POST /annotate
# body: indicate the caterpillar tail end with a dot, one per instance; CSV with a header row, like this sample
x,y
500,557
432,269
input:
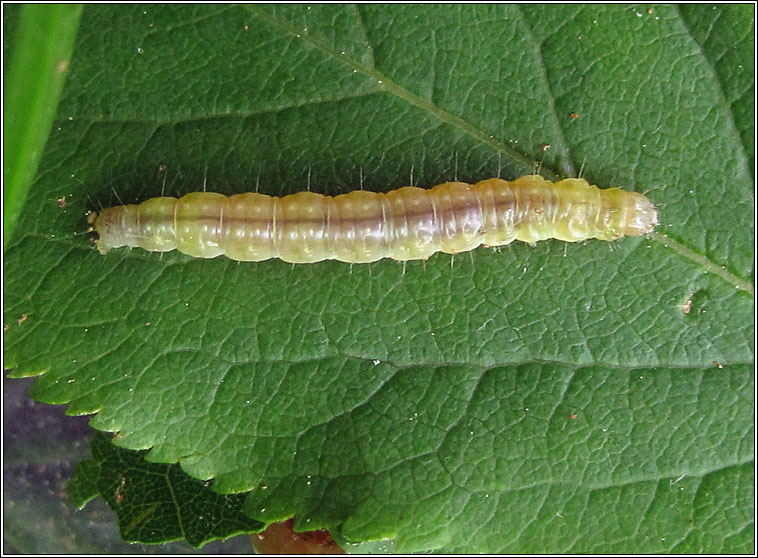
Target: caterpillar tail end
x,y
641,215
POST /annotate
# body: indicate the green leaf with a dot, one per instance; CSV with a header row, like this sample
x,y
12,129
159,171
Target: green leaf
x,y
725,36
429,404
41,55
83,486
157,503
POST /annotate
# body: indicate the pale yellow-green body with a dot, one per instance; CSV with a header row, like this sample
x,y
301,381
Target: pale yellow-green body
x,y
404,224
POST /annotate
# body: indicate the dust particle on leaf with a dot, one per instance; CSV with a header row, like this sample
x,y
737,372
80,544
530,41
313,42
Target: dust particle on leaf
x,y
118,495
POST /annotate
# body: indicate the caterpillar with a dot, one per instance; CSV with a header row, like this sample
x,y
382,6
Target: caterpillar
x,y
359,227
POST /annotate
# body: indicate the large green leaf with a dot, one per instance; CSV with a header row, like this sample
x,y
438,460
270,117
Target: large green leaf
x,y
569,398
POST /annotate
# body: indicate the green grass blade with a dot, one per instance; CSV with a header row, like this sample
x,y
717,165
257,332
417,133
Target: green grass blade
x,y
41,53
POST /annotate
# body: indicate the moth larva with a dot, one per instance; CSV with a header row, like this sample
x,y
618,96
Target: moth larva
x,y
405,224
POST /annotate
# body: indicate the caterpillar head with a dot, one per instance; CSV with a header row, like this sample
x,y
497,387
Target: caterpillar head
x,y
112,227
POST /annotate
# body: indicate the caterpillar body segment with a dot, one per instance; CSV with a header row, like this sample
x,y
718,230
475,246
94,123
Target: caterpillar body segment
x,y
405,224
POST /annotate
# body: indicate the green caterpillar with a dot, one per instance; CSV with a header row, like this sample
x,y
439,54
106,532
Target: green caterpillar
x,y
359,227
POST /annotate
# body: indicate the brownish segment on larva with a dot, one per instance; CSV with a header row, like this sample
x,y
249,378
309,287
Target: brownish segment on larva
x,y
405,224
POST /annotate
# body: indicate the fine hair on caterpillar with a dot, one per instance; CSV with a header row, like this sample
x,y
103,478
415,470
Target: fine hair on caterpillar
x,y
409,223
